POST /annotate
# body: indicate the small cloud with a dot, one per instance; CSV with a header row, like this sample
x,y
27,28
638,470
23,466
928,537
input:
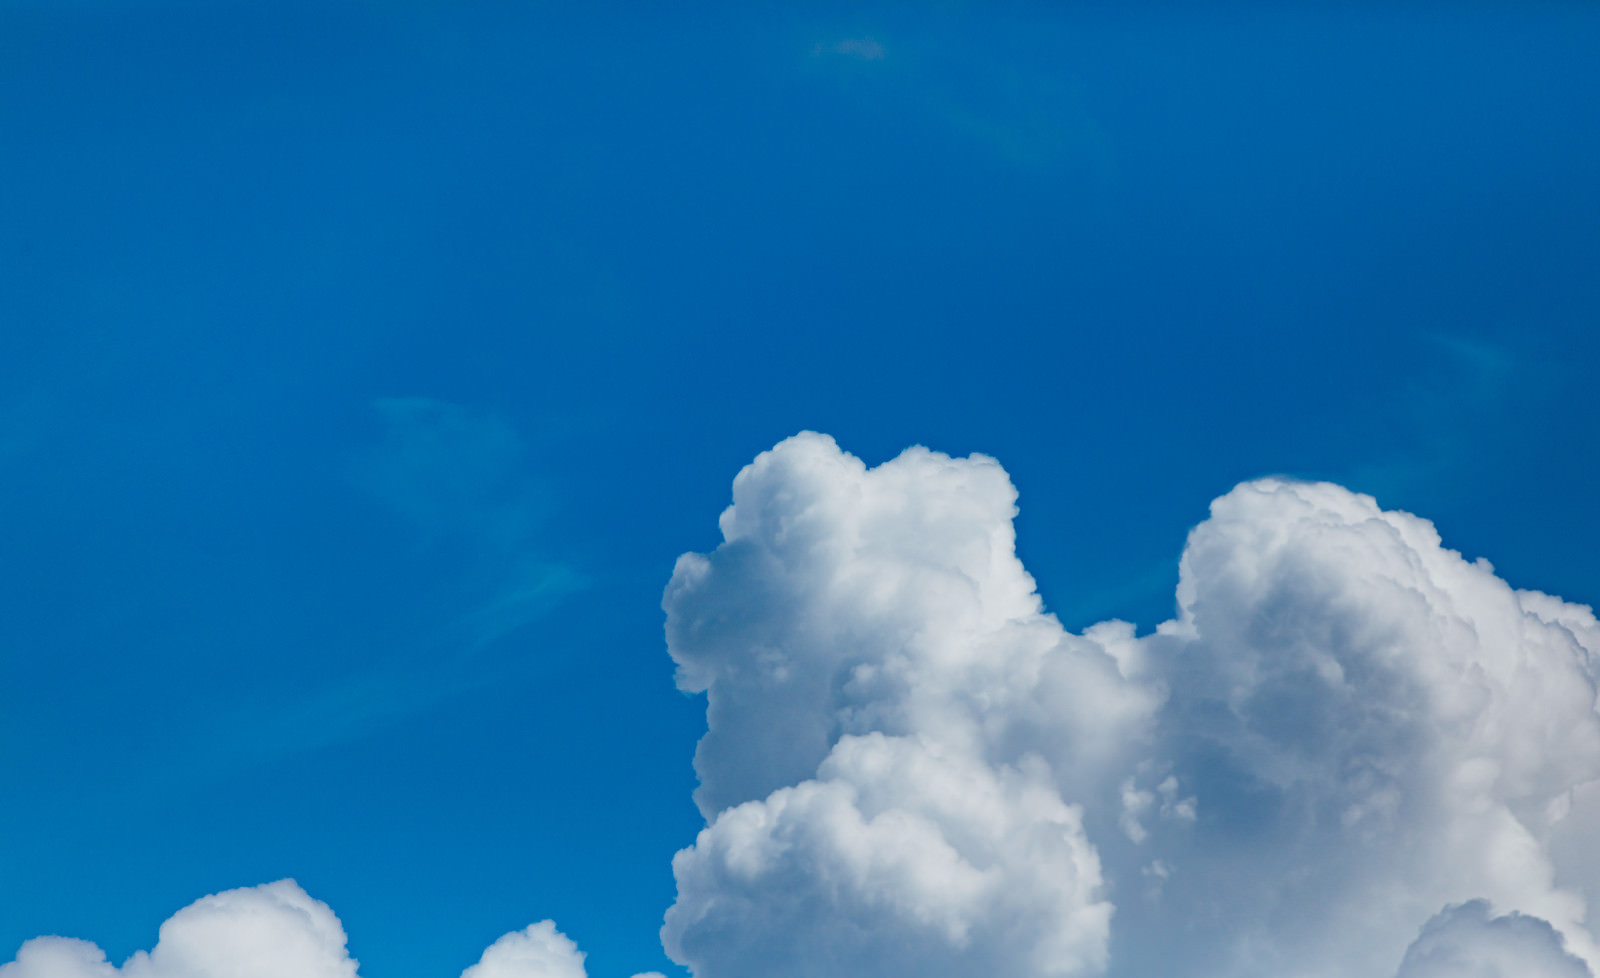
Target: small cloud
x,y
860,48
275,930
540,951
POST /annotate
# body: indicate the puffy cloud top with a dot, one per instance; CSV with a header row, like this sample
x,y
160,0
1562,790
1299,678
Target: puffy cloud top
x,y
540,951
1466,942
271,931
892,721
275,931
1374,726
911,768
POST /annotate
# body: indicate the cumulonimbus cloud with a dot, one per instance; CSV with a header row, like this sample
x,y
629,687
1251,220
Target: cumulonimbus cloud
x,y
1351,753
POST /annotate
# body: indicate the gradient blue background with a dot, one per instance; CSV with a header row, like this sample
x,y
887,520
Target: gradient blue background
x,y
364,368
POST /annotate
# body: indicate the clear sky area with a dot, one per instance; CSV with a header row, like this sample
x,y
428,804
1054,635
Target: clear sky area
x,y
365,368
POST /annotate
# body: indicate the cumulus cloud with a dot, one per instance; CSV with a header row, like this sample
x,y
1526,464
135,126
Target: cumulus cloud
x,y
1348,745
275,931
540,951
911,768
1466,942
271,931
1375,726
893,720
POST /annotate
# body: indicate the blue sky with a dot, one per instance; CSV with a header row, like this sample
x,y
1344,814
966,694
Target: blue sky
x,y
364,368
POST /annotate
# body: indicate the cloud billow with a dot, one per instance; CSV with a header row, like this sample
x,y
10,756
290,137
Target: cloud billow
x,y
1351,754
1465,941
271,931
275,931
882,789
911,768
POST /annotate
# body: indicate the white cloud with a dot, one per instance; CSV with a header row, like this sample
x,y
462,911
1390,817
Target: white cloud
x,y
275,931
898,858
910,768
1465,942
849,601
540,951
1375,728
893,720
1347,747
270,931
58,957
